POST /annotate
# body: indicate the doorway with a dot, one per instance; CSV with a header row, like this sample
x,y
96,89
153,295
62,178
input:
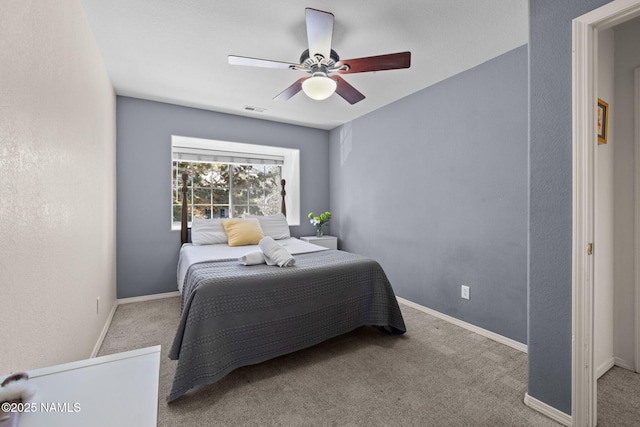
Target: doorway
x,y
585,97
637,214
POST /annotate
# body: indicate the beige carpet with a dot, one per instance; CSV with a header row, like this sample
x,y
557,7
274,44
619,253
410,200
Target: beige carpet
x,y
619,398
437,374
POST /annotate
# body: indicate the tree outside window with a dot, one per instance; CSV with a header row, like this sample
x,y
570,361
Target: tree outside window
x,y
223,190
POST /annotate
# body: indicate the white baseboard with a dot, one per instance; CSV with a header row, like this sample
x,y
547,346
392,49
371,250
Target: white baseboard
x,y
473,328
624,364
96,348
549,411
117,302
605,366
610,363
148,297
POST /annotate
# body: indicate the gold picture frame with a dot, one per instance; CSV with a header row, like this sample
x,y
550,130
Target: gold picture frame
x,y
603,121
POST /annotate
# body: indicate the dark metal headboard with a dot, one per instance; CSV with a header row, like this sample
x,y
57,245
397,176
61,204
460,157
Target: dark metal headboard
x,y
184,228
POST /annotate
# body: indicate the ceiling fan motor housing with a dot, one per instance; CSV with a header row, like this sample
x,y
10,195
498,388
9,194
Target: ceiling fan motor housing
x,y
307,61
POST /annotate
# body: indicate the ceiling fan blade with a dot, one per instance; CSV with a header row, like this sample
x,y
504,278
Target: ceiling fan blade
x,y
263,63
348,92
392,61
291,90
319,32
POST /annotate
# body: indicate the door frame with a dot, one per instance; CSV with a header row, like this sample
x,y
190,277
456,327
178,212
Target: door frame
x,y
584,100
637,214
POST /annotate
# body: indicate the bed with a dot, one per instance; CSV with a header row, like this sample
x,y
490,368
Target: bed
x,y
235,315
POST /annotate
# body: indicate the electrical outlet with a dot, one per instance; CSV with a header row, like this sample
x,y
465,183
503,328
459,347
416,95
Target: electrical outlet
x,y
465,292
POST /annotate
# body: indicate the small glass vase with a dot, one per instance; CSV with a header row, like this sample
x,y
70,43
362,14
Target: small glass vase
x,y
319,230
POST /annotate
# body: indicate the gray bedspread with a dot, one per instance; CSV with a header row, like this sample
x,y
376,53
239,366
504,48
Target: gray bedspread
x,y
235,315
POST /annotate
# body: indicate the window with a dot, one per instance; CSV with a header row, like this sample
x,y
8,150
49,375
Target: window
x,y
222,190
229,179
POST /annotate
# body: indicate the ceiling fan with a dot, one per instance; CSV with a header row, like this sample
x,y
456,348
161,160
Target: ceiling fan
x,y
324,64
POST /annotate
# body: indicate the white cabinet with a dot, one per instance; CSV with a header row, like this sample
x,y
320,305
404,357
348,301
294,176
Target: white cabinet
x,y
114,390
330,242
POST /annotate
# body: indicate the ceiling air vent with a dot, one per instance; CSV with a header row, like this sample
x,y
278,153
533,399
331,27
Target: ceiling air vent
x,y
254,109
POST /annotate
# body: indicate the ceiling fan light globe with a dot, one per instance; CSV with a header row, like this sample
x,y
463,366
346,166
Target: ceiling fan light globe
x,y
319,87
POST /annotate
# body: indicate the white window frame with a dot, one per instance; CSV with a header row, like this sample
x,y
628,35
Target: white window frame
x,y
290,167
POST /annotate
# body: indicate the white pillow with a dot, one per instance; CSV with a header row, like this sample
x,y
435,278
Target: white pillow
x,y
274,226
207,231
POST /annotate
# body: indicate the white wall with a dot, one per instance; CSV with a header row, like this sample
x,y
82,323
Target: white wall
x,y
627,57
604,215
57,168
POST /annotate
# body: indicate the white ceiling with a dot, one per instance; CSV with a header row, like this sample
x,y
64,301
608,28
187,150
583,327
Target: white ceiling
x,y
176,51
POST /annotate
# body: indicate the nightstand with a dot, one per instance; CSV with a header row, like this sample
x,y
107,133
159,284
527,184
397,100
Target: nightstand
x,y
330,242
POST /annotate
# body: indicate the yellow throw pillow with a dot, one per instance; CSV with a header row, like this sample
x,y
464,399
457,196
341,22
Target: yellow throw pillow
x,y
241,232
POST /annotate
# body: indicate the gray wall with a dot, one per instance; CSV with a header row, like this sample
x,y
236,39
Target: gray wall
x,y
434,186
550,198
147,249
